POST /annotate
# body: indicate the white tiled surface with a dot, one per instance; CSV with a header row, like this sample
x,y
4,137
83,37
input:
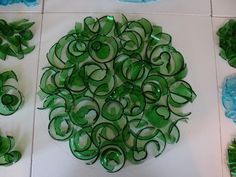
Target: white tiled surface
x,y
201,151
200,7
224,8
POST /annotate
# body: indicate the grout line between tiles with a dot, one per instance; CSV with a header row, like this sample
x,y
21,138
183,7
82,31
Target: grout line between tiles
x,y
219,16
112,12
211,6
43,4
218,99
35,97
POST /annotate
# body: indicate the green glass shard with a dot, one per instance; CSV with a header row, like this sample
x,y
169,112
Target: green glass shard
x,y
227,42
14,38
232,158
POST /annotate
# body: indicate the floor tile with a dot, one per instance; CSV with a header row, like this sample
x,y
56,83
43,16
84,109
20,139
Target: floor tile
x,y
224,8
200,7
198,154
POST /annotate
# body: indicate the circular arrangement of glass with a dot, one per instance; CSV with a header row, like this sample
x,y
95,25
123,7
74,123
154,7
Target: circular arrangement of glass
x,y
114,88
227,35
8,156
10,96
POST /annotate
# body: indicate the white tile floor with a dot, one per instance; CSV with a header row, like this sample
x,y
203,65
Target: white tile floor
x,y
201,151
224,8
200,7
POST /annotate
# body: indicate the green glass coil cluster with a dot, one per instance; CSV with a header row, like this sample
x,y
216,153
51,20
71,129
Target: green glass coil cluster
x,y
14,38
10,96
8,156
114,88
227,42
